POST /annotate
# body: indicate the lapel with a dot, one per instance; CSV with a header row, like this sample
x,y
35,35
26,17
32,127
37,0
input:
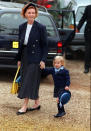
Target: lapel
x,y
33,31
24,31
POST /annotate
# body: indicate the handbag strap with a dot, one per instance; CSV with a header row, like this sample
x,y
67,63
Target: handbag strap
x,y
16,73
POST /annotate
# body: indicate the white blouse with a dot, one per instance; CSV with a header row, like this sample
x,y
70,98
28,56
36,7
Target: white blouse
x,y
28,29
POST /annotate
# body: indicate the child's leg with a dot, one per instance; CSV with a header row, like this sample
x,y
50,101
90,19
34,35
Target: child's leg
x,y
63,99
61,111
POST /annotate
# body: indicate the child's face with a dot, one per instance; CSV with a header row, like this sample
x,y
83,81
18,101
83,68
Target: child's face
x,y
57,63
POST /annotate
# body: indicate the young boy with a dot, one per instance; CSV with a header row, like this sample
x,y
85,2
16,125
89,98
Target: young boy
x,y
61,83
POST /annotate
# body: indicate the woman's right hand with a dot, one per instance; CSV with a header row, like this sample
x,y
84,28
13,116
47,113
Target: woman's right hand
x,y
19,63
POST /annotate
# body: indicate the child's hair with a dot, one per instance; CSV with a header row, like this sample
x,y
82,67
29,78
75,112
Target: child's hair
x,y
59,58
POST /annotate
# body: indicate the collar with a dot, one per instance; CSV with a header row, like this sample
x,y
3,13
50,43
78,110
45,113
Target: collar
x,y
57,70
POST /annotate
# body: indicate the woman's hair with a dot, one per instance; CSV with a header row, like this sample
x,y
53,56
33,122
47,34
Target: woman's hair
x,y
59,58
29,6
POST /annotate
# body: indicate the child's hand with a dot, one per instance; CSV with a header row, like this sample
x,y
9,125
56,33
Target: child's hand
x,y
66,88
57,100
42,65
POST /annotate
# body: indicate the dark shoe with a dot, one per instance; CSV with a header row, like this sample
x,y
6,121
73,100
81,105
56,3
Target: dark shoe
x,y
86,70
32,109
60,114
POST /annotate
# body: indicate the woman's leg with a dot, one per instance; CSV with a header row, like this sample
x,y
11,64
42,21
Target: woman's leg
x,y
36,104
25,105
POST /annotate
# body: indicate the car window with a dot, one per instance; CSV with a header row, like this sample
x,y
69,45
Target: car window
x,y
48,23
67,19
79,12
9,23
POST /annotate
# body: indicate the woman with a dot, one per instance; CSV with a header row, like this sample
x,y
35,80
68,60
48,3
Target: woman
x,y
31,57
86,17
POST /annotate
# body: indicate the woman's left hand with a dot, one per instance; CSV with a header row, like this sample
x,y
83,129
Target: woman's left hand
x,y
42,65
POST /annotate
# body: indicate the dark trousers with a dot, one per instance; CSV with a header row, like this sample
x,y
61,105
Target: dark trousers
x,y
87,53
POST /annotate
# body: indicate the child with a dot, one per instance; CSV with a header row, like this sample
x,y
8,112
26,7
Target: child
x,y
61,83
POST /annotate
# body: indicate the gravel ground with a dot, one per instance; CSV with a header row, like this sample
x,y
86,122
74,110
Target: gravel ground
x,y
77,116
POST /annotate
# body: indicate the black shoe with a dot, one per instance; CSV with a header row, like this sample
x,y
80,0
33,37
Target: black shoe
x,y
60,114
32,109
86,70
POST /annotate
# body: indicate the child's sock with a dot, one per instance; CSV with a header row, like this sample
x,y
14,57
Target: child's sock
x,y
60,104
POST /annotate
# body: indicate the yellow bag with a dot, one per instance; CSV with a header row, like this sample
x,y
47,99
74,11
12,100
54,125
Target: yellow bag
x,y
15,85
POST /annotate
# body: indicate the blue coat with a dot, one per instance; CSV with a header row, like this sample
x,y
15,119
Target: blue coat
x,y
37,49
61,79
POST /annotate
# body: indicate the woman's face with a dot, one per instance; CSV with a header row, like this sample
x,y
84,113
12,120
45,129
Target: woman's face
x,y
30,14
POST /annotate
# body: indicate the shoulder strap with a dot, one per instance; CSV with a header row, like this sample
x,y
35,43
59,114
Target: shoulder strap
x,y
16,73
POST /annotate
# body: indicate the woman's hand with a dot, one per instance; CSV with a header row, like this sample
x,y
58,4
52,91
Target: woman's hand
x,y
42,65
19,63
66,88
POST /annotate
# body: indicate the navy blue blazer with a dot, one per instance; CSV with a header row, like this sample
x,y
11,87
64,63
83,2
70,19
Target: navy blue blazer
x,y
61,79
37,48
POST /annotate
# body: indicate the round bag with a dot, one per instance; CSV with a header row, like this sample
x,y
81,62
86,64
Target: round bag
x,y
64,97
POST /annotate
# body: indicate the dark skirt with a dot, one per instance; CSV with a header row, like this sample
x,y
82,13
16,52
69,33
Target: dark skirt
x,y
30,78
